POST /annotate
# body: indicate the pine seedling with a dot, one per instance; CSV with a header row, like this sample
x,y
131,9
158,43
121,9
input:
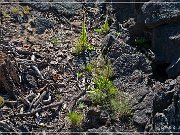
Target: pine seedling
x,y
26,10
121,108
82,44
15,10
104,28
75,118
81,105
54,40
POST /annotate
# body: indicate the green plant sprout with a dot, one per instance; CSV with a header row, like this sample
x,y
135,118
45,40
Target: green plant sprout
x,y
117,34
15,10
81,105
104,28
58,96
1,102
79,75
89,67
121,108
54,40
82,44
26,10
75,118
97,96
6,15
104,92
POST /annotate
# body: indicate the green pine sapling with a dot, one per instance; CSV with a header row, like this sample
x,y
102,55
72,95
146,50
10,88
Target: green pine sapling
x,y
82,44
104,28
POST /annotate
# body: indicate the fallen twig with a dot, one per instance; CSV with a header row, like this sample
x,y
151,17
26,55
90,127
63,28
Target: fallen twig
x,y
39,109
39,99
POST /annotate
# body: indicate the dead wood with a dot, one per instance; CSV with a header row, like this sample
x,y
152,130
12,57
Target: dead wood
x,y
40,109
9,78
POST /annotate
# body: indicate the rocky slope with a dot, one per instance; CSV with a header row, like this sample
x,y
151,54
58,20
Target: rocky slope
x,y
45,82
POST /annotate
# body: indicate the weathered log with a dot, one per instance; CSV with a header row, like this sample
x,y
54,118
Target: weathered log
x,y
9,78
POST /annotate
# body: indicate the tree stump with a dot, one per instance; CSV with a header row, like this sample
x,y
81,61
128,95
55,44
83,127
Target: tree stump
x,y
9,79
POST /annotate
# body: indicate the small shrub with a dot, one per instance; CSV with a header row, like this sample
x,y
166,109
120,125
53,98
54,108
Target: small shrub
x,y
121,108
104,92
107,70
102,83
54,40
81,105
26,10
89,67
97,96
82,44
15,10
75,118
104,28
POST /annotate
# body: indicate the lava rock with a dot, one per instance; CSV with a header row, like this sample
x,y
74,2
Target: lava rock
x,y
158,12
20,18
174,69
96,118
125,58
67,9
126,64
166,108
29,81
41,24
166,50
59,7
100,131
124,10
140,117
161,123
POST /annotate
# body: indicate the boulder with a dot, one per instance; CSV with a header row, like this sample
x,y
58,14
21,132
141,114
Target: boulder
x,y
41,24
163,18
167,48
124,11
125,58
158,12
59,7
166,107
9,75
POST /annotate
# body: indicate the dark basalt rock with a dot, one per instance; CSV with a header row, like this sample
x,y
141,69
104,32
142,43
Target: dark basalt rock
x,y
167,48
41,24
158,12
96,118
59,7
20,18
125,58
163,17
166,107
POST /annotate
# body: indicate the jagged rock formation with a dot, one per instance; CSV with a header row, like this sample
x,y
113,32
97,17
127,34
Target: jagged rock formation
x,y
164,19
